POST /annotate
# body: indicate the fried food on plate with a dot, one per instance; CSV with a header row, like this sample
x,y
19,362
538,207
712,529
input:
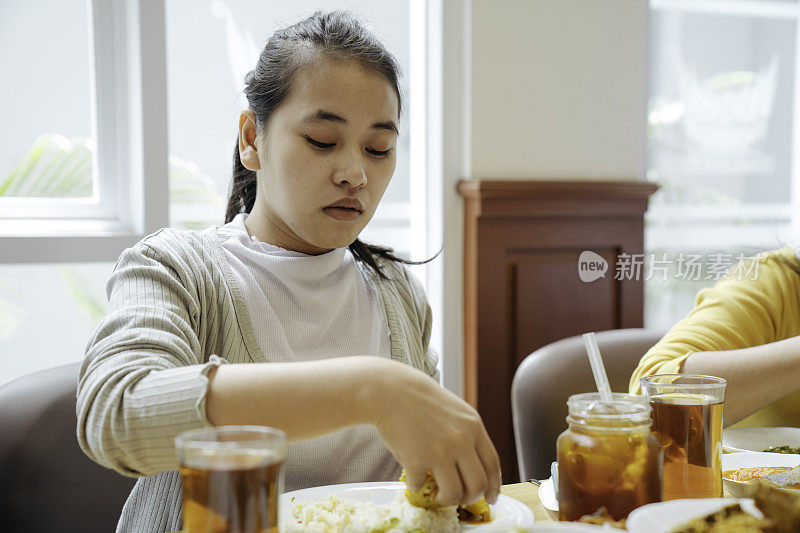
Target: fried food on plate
x,y
730,519
782,508
476,513
425,497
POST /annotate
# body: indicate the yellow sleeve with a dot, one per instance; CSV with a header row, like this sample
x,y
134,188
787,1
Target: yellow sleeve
x,y
756,303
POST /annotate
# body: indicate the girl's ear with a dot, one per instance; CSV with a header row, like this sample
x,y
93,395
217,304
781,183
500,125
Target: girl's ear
x,y
248,152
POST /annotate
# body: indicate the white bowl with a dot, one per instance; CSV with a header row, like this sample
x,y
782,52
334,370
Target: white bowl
x,y
759,439
735,461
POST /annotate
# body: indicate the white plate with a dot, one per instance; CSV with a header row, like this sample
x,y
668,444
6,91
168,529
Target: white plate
x,y
663,517
735,461
547,495
759,439
507,512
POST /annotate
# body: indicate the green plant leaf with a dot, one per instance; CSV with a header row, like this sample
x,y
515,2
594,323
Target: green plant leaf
x,y
57,167
54,167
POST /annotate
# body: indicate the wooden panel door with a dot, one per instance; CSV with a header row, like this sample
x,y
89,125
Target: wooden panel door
x,y
546,290
522,289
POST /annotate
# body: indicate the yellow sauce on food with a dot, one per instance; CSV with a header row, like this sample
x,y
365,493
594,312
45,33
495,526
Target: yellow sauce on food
x,y
749,474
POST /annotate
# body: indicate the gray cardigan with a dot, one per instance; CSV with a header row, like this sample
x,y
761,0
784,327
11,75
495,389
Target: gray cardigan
x,y
176,311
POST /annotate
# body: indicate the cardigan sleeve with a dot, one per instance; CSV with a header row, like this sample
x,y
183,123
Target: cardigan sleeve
x,y
143,379
757,302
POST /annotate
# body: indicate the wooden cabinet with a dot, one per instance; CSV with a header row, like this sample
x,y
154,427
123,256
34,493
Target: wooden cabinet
x,y
521,284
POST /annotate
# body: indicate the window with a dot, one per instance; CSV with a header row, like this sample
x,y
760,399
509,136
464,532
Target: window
x,y
721,141
48,152
144,120
84,194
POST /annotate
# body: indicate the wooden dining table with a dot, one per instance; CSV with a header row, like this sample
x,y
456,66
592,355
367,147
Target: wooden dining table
x,y
528,493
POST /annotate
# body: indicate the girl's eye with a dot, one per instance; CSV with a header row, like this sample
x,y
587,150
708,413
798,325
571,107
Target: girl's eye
x,y
378,153
318,144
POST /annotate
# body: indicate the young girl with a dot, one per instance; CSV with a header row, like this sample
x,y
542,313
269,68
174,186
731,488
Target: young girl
x,y
334,332
745,329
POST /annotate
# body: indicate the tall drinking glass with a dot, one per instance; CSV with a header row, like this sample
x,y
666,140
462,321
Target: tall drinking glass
x,y
687,419
232,476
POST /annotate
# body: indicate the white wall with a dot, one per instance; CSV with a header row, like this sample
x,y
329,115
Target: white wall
x,y
558,89
535,89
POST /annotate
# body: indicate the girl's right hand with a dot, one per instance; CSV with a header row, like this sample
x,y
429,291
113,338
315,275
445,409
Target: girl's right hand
x,y
428,428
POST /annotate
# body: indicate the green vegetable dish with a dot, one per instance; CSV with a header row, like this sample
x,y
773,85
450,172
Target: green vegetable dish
x,y
782,449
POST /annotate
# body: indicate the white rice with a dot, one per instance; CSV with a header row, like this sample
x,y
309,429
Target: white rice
x,y
343,515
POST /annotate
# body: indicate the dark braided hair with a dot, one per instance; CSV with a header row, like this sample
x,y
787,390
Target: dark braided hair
x,y
337,35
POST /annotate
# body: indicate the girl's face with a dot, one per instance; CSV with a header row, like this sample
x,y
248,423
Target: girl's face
x,y
326,158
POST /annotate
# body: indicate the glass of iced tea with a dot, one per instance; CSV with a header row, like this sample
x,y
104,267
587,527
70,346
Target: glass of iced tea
x,y
608,457
687,419
232,476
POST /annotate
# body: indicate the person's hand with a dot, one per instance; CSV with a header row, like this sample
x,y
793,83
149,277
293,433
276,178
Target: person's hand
x,y
428,428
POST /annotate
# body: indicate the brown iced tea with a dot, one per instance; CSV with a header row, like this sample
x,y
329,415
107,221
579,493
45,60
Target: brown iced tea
x,y
689,427
232,477
607,458
227,499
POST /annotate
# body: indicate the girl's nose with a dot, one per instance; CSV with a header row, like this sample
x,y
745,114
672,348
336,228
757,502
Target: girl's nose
x,y
351,171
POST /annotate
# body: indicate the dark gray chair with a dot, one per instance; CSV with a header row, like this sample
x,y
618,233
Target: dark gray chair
x,y
47,484
550,375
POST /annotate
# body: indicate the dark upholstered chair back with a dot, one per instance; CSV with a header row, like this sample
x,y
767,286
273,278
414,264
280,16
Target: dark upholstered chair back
x,y
47,484
550,375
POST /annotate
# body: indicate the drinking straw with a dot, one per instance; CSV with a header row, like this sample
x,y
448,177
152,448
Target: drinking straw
x,y
599,371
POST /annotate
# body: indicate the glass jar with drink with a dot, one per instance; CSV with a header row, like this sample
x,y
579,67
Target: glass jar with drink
x,y
687,419
607,457
232,477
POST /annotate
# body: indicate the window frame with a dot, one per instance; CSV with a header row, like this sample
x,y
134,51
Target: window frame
x,y
130,125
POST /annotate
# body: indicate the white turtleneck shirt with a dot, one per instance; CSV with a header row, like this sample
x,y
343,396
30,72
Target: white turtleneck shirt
x,y
311,307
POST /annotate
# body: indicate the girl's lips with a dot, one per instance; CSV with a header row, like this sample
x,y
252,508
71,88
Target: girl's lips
x,y
345,214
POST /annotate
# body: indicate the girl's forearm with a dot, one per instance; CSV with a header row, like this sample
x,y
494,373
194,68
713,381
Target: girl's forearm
x,y
756,376
304,399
